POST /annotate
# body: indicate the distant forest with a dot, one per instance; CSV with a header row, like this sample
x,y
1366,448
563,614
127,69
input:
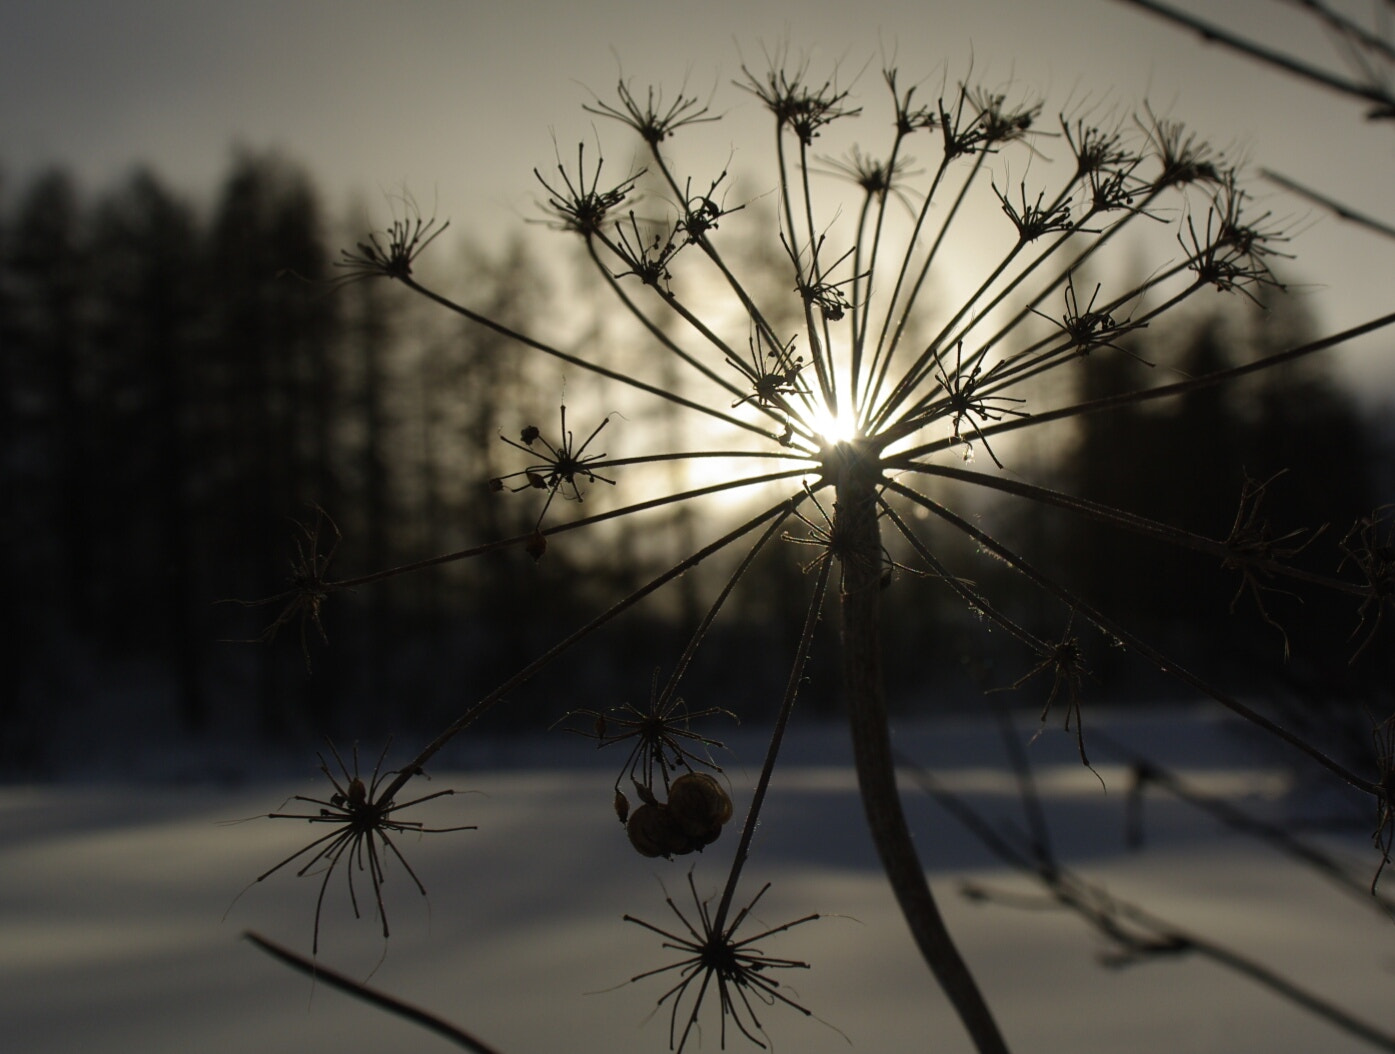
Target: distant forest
x,y
183,386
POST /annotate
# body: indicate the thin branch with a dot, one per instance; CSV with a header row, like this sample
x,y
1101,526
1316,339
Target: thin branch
x,y
1120,921
1162,661
1331,204
748,830
557,650
382,1000
1382,99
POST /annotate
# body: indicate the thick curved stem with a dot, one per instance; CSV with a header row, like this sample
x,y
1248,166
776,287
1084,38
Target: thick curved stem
x,y
858,545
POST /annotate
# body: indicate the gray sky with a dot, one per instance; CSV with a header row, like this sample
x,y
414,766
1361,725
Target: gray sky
x,y
458,101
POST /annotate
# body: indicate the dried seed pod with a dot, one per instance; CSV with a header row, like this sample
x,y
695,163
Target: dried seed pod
x,y
536,545
654,831
622,805
358,793
700,804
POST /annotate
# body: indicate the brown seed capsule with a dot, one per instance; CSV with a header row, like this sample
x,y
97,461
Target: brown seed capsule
x,y
358,793
536,545
654,831
700,804
622,805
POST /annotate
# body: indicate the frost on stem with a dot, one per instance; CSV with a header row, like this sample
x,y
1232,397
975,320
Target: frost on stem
x,y
1383,837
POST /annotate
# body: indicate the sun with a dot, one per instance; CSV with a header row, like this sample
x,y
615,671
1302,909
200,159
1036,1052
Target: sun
x,y
834,428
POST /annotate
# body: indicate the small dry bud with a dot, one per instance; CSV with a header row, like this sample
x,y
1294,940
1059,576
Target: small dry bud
x,y
536,546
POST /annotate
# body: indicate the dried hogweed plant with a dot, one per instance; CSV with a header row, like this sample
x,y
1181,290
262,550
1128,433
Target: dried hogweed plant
x,y
848,402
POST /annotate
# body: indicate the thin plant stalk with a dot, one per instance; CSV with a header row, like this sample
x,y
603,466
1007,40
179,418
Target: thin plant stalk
x,y
856,525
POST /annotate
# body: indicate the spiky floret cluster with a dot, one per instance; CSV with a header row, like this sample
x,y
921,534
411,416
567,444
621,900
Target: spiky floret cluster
x,y
362,816
715,960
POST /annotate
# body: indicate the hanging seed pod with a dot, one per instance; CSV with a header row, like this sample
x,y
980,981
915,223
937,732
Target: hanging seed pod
x,y
536,545
700,804
358,792
654,831
622,805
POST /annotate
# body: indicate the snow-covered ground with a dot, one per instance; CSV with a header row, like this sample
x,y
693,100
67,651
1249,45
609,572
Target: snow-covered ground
x,y
113,936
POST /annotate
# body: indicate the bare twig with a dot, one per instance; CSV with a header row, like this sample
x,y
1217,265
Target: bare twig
x,y
425,1018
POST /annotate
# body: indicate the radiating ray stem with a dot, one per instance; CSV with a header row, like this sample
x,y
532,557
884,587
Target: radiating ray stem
x,y
966,592
748,830
752,310
1130,640
816,274
914,294
526,674
862,303
921,368
786,200
902,272
576,361
677,307
1121,518
1166,391
681,666
859,315
654,330
522,539
1095,246
977,356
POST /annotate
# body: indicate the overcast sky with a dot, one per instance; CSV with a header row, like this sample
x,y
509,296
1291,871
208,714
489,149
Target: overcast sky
x,y
459,100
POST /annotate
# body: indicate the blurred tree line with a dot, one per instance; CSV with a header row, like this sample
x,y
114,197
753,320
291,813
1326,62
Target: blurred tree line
x,y
182,386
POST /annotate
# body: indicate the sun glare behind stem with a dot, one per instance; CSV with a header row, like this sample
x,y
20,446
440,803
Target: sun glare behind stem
x,y
833,428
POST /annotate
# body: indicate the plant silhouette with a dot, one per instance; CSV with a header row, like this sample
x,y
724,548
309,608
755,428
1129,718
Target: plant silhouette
x,y
851,416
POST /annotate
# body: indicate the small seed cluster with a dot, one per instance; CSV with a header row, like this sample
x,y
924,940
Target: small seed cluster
x,y
693,817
